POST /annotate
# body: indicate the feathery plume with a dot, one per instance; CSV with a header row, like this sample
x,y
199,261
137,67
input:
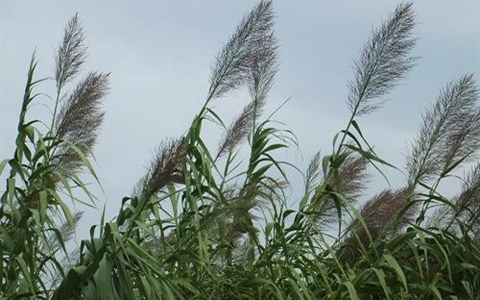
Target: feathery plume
x,y
232,65
263,68
352,177
383,61
166,167
260,77
450,131
313,173
350,182
251,197
467,203
380,217
380,212
240,128
79,120
67,230
71,53
463,140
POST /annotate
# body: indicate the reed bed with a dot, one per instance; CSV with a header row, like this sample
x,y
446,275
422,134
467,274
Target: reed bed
x,y
207,223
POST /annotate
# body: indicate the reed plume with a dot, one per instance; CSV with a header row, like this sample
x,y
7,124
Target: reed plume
x,y
466,204
260,69
231,67
79,120
351,181
313,173
384,61
67,229
239,130
468,201
381,220
71,54
352,177
165,168
380,213
450,133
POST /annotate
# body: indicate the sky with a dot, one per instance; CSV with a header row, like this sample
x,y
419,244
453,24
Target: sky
x,y
159,54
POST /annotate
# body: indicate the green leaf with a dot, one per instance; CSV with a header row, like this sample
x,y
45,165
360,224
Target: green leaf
x,y
392,263
351,290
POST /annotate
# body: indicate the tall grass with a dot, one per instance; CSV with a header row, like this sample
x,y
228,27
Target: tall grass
x,y
208,224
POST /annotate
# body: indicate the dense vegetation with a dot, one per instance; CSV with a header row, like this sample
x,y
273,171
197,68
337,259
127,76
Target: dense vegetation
x,y
208,224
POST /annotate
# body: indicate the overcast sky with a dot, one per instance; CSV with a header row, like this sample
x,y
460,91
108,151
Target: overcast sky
x,y
159,53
